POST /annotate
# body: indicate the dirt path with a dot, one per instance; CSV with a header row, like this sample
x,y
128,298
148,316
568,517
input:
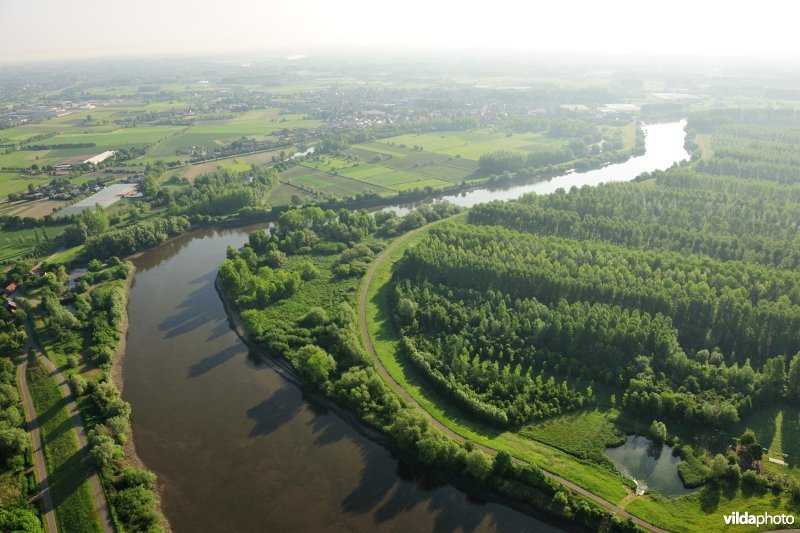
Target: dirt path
x,y
362,319
40,466
94,480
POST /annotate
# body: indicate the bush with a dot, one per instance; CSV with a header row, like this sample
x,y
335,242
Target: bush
x,y
119,427
14,444
315,364
479,465
503,464
658,430
316,316
307,271
136,508
560,500
20,519
104,451
77,384
135,477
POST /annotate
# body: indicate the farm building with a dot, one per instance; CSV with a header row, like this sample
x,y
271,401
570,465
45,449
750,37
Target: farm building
x,y
104,197
99,158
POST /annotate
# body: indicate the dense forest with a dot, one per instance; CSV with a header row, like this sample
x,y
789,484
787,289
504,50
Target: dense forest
x,y
751,143
685,298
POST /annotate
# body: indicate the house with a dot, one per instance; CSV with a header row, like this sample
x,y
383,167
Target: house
x,y
11,287
11,305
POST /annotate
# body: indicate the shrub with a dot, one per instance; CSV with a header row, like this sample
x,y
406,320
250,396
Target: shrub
x,y
479,465
77,384
136,508
316,316
135,477
104,451
315,364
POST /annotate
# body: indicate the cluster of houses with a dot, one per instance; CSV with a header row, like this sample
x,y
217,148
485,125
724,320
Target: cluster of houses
x,y
11,305
56,190
15,117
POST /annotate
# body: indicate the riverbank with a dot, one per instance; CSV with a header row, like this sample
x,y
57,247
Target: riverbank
x,y
466,485
129,448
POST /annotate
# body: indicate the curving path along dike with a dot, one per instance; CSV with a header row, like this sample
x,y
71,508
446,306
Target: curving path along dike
x,y
98,495
38,451
362,320
96,486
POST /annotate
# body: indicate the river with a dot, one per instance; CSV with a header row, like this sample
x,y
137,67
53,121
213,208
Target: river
x,y
237,448
663,148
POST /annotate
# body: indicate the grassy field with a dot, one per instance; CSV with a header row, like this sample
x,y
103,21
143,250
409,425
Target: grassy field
x,y
473,144
565,445
778,430
12,182
15,244
69,486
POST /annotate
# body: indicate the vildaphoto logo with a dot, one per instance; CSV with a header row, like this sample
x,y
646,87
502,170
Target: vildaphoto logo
x,y
758,520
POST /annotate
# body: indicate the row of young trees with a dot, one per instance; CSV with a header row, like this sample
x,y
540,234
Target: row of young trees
x,y
692,282
748,310
751,222
754,143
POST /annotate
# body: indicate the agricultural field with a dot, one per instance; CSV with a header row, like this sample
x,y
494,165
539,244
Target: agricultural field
x,y
114,127
16,244
36,209
406,162
11,182
473,144
391,166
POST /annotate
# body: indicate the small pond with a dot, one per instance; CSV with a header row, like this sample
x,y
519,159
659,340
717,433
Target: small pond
x,y
652,466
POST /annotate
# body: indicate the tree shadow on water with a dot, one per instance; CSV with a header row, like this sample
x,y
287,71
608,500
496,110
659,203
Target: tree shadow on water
x,y
375,483
274,412
222,328
386,496
213,361
326,429
194,309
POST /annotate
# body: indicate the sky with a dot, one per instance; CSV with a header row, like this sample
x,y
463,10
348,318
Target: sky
x,y
59,29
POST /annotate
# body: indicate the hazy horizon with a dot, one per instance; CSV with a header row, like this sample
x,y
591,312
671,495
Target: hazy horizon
x,y
48,30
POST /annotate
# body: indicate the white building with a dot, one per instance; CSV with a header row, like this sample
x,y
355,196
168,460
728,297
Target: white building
x,y
99,158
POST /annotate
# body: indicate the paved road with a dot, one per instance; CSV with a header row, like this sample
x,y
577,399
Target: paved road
x,y
40,466
94,480
362,319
